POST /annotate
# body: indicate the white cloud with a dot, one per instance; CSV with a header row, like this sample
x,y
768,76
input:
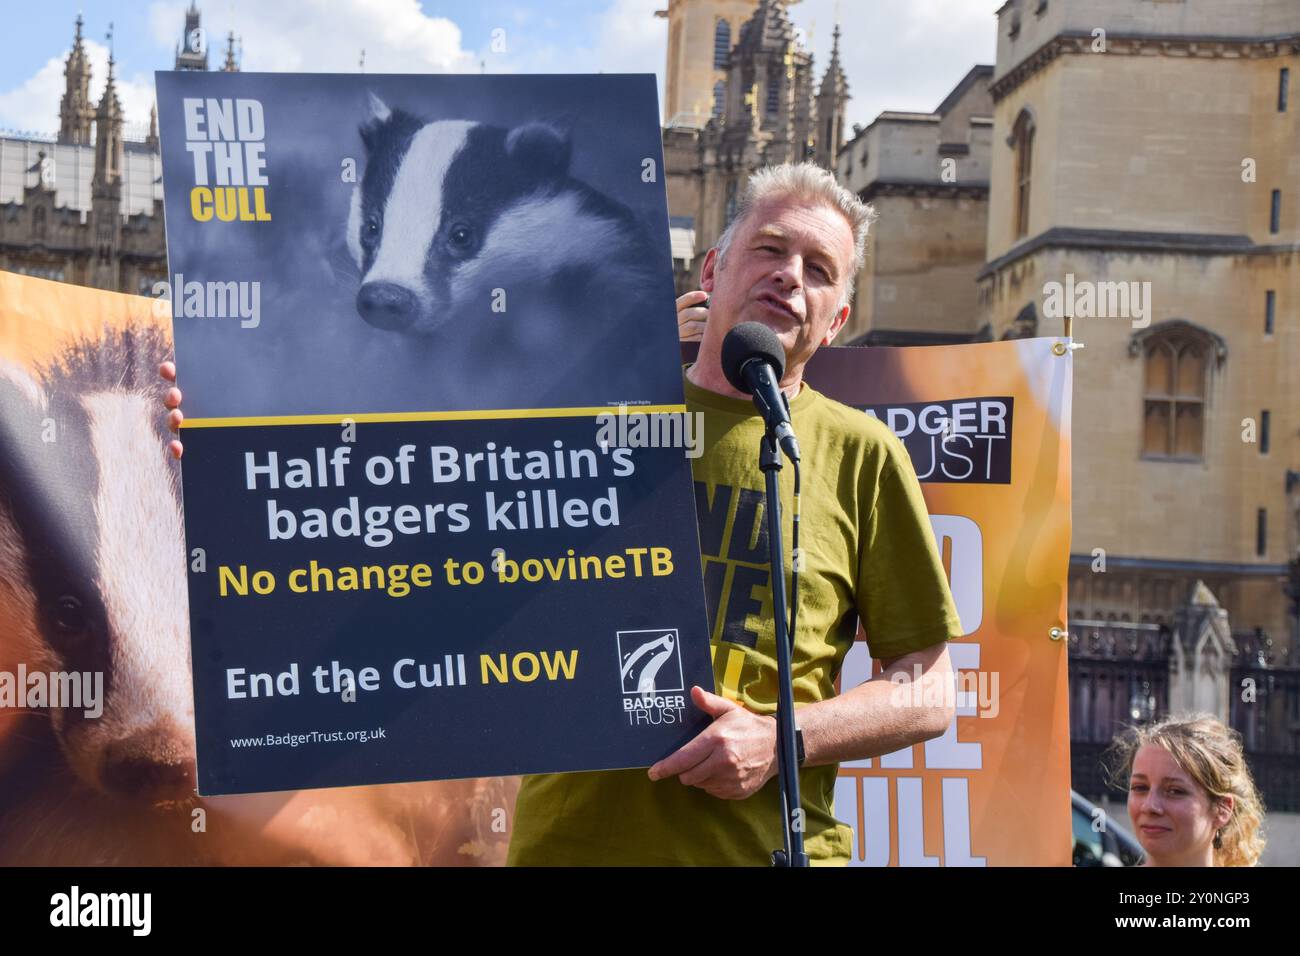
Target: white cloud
x,y
323,37
900,56
947,16
287,35
897,56
631,39
328,36
626,38
33,105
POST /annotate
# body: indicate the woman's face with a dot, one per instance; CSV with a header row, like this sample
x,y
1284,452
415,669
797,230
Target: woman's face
x,y
1173,817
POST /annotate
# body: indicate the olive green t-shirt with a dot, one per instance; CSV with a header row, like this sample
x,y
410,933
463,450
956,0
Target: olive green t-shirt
x,y
869,554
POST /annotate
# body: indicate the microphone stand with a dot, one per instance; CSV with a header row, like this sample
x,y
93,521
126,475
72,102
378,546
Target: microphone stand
x,y
769,460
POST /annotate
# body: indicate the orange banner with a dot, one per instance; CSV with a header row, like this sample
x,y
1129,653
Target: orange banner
x,y
988,429
96,708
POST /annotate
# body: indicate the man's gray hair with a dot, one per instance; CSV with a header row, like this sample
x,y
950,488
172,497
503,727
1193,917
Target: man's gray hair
x,y
810,183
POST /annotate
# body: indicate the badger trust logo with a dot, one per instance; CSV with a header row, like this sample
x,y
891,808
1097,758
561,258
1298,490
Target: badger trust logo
x,y
650,667
226,140
963,441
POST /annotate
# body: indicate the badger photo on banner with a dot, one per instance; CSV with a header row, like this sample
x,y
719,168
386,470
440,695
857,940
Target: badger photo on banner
x,y
413,316
987,427
97,745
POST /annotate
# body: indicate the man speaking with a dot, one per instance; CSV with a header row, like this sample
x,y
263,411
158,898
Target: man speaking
x,y
787,260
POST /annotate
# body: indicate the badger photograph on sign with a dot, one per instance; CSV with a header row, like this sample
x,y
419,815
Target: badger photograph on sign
x,y
391,243
410,313
97,742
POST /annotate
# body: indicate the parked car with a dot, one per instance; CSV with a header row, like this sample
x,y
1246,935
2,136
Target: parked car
x,y
1104,843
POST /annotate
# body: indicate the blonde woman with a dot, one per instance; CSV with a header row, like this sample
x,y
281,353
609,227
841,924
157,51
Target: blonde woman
x,y
1191,798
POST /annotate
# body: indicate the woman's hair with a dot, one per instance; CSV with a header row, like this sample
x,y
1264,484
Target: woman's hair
x,y
811,183
1211,754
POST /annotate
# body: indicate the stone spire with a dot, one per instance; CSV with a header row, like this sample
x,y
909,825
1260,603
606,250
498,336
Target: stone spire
x,y
768,29
832,99
75,112
231,65
108,139
106,189
769,84
767,119
152,139
192,54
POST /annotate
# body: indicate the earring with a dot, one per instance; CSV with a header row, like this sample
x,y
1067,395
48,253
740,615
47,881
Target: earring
x,y
1218,839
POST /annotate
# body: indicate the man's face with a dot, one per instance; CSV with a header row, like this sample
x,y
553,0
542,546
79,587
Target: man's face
x,y
788,268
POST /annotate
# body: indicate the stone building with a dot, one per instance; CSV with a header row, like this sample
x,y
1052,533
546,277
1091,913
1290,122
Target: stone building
x,y
758,104
927,175
85,206
1145,179
740,94
700,37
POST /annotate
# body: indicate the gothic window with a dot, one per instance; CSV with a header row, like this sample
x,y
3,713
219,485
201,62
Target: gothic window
x,y
721,44
38,222
773,91
1024,326
1177,365
1022,141
719,99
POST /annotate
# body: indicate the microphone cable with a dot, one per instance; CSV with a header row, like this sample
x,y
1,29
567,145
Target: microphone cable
x,y
797,557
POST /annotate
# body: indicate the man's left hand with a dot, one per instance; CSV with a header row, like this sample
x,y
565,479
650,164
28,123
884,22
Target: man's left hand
x,y
732,758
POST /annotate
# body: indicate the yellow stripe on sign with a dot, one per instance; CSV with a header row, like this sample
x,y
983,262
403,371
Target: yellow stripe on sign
x,y
463,416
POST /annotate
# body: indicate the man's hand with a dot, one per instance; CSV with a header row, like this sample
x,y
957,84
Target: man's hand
x,y
732,758
173,401
692,313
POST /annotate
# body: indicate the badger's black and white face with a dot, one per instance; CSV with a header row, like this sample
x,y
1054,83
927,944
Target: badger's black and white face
x,y
449,211
93,551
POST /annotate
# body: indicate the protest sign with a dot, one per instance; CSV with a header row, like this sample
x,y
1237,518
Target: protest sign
x,y
414,316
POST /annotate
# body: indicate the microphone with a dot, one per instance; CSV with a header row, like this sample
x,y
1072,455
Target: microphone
x,y
754,361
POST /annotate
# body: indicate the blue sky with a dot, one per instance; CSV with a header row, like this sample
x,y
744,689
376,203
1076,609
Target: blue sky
x,y
898,55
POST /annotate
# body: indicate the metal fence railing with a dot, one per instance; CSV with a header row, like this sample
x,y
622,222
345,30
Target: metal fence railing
x,y
1119,677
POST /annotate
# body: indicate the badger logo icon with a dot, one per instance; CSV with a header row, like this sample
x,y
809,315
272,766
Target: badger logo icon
x,y
649,661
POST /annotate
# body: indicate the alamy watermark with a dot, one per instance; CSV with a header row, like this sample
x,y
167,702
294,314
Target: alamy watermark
x,y
39,690
967,690
211,300
632,429
77,908
1100,300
